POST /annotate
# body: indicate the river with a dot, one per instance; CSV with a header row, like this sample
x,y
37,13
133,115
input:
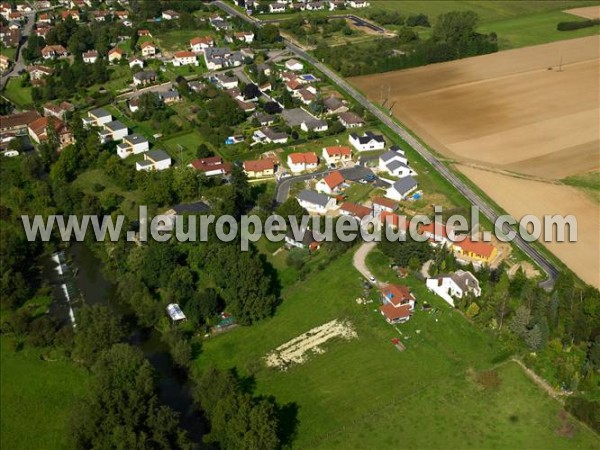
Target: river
x,y
174,387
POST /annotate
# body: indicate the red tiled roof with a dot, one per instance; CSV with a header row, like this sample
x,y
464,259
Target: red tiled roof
x,y
396,293
147,44
393,313
385,202
482,249
334,179
294,84
201,40
304,158
338,151
184,54
212,163
259,165
431,230
38,126
359,211
116,50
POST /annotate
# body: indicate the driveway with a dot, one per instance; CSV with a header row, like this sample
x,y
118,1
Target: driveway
x,y
359,260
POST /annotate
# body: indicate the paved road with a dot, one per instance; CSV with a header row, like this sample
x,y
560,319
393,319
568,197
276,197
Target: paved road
x,y
359,260
547,266
19,63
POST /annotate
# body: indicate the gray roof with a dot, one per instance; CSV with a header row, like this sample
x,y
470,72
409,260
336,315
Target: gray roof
x,y
396,165
388,156
99,112
134,139
308,237
404,185
315,123
368,137
145,75
157,155
169,94
313,197
296,116
273,135
333,103
115,125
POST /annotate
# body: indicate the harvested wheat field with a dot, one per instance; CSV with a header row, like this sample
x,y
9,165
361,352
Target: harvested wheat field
x,y
508,111
520,196
588,12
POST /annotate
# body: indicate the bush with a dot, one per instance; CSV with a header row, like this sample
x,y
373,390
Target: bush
x,y
570,26
587,411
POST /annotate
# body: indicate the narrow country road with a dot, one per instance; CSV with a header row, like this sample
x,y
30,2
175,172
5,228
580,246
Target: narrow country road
x,y
484,207
19,63
359,260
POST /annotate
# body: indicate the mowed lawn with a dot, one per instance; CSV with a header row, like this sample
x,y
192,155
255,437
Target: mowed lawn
x,y
36,399
20,96
364,393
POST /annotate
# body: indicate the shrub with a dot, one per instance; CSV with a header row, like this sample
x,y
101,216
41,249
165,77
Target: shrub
x,y
570,26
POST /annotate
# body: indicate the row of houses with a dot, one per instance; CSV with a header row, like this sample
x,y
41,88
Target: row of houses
x,y
282,6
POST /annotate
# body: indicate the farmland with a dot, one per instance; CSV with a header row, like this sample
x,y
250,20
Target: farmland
x,y
359,393
520,128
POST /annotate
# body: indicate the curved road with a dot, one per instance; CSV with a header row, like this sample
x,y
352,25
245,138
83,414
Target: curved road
x,y
19,64
487,210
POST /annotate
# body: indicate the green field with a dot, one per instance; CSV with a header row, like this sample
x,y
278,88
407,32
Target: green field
x,y
587,182
189,143
36,398
363,393
20,96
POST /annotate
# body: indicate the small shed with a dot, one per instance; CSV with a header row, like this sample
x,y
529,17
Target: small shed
x,y
175,312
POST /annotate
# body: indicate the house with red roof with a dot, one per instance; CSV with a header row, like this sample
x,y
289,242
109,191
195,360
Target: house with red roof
x,y
211,166
74,14
477,250
184,58
148,49
115,54
300,162
199,44
381,204
397,303
394,221
359,212
338,154
436,233
331,184
261,168
38,131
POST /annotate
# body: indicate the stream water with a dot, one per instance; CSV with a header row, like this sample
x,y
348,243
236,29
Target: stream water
x,y
85,284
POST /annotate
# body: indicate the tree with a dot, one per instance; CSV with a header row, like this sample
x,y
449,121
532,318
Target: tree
x,y
181,285
297,258
202,151
291,208
97,330
251,91
121,409
272,108
520,321
160,261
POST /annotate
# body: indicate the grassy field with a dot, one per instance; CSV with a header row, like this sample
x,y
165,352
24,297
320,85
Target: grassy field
x,y
36,397
188,141
20,96
363,393
177,40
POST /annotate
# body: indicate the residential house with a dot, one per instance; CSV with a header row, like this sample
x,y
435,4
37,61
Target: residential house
x,y
261,168
113,131
381,204
358,3
122,15
4,63
144,78
298,117
479,251
10,37
367,142
359,212
246,36
148,49
18,123
294,65
267,135
334,105
307,95
199,44
38,131
169,97
437,234
350,120
217,58
59,111
398,303
90,57
97,118
197,86
144,33
115,54
184,58
300,162
169,14
132,145
154,160
100,16
392,220
277,7
44,18
225,81
134,104
314,202
54,51
456,285
400,189
307,239
72,13
264,120
395,163
136,61
211,166
331,184
336,155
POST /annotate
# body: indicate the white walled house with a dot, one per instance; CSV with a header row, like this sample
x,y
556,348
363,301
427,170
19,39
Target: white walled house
x,y
300,162
185,58
454,286
154,160
400,189
331,184
90,57
132,145
148,49
294,65
97,118
395,163
113,131
314,202
338,154
199,44
367,142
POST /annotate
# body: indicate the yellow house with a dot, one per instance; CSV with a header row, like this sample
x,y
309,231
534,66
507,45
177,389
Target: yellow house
x,y
261,168
115,55
479,251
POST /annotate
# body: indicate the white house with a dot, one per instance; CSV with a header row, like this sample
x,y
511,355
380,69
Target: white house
x,y
367,142
338,154
382,204
113,131
132,145
97,118
226,82
299,162
400,189
314,202
398,303
395,163
455,285
154,160
148,49
246,36
331,184
358,3
277,7
90,57
169,14
294,65
185,58
136,61
199,44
